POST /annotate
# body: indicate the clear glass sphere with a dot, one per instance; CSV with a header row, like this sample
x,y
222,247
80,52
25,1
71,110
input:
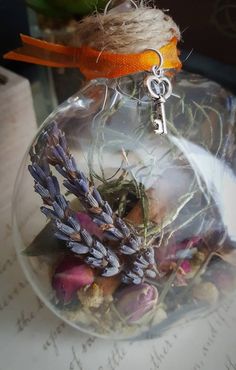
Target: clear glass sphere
x,y
121,231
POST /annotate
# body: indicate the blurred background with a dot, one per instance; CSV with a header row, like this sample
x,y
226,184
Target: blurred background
x,y
208,40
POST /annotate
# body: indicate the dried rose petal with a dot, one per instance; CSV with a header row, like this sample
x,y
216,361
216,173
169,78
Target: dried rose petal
x,y
69,276
87,224
186,266
133,302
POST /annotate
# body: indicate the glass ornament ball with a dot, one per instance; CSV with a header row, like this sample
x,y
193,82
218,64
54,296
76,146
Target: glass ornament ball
x,y
121,232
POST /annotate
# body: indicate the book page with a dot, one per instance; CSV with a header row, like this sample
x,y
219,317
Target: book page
x,y
31,337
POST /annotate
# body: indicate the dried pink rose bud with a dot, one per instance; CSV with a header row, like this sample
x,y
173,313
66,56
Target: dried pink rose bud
x,y
133,302
69,276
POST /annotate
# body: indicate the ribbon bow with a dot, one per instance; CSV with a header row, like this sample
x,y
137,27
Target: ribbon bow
x,y
93,63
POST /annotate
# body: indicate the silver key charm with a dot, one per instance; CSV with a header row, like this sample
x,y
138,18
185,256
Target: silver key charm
x,y
160,89
160,122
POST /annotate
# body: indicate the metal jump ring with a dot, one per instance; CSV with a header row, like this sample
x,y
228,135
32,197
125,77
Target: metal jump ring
x,y
156,68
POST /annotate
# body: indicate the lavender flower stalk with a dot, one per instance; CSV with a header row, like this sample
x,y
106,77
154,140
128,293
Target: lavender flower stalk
x,y
75,181
129,254
78,240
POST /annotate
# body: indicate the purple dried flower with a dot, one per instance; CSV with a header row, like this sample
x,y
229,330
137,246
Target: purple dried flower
x,y
82,185
39,171
110,271
49,213
71,275
149,256
78,248
107,208
65,229
61,151
98,222
86,237
95,253
150,274
114,233
50,186
91,201
122,225
62,201
74,223
97,196
34,173
61,170
136,281
125,249
126,252
105,218
135,301
61,236
132,274
56,155
138,271
44,193
58,210
71,187
56,186
100,247
112,259
69,164
94,262
140,267
142,260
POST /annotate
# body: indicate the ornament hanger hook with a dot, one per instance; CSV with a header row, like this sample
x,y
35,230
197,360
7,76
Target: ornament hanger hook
x,y
110,1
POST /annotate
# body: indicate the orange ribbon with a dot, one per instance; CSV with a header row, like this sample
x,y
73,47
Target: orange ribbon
x,y
93,63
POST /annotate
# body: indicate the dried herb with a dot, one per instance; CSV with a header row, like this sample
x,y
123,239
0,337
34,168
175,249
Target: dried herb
x,y
121,247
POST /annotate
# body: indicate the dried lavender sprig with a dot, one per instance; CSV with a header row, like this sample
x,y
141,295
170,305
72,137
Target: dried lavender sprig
x,y
77,239
142,266
114,228
75,181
